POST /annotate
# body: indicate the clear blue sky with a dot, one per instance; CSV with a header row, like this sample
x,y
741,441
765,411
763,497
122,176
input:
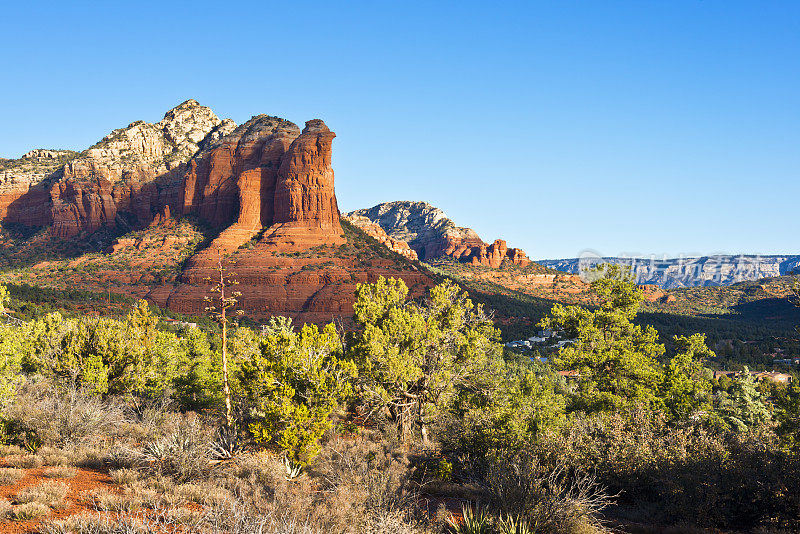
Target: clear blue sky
x,y
643,126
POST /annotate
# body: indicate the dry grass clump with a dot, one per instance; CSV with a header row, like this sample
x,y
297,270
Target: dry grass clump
x,y
50,493
162,520
60,471
6,450
54,457
98,524
27,511
10,475
109,501
25,461
124,477
204,493
88,457
5,508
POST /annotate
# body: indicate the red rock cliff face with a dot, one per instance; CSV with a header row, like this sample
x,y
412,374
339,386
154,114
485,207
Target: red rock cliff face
x,y
123,180
306,213
488,255
233,183
281,180
267,174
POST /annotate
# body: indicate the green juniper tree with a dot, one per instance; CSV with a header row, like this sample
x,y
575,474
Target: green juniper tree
x,y
291,383
617,360
413,356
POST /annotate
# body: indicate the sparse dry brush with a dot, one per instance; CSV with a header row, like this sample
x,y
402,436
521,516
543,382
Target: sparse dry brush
x,y
10,475
49,493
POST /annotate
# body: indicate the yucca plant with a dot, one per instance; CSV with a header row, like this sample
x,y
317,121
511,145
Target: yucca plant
x,y
293,469
226,445
512,525
475,521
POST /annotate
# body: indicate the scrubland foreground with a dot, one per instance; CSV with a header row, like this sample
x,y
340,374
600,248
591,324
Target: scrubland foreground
x,y
416,422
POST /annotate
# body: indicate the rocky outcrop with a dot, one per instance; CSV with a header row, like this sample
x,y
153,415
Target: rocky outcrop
x,y
265,174
376,232
488,255
306,213
29,175
142,151
431,234
123,180
269,175
232,181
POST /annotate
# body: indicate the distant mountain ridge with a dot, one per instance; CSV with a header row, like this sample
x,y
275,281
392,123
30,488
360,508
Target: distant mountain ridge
x,y
669,273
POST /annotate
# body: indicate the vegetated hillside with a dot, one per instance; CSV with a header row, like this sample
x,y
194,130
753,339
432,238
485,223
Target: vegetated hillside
x,y
692,271
130,265
121,425
747,323
150,263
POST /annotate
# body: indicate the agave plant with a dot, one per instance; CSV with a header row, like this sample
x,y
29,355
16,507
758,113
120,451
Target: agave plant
x,y
226,445
293,469
475,521
512,525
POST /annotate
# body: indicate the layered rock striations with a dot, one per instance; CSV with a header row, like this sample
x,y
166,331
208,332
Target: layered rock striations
x,y
28,177
431,234
376,232
265,184
306,213
232,182
123,180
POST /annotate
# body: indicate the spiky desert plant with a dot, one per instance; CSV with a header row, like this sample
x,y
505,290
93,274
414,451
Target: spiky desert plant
x,y
474,521
226,444
513,525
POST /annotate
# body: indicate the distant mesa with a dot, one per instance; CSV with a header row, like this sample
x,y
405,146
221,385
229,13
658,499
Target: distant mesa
x,y
699,271
431,234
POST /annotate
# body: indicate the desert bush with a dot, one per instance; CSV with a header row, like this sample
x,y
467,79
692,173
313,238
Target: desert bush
x,y
290,384
682,474
6,450
377,473
124,477
65,417
547,498
391,522
49,493
5,508
25,461
30,510
182,454
60,471
10,475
